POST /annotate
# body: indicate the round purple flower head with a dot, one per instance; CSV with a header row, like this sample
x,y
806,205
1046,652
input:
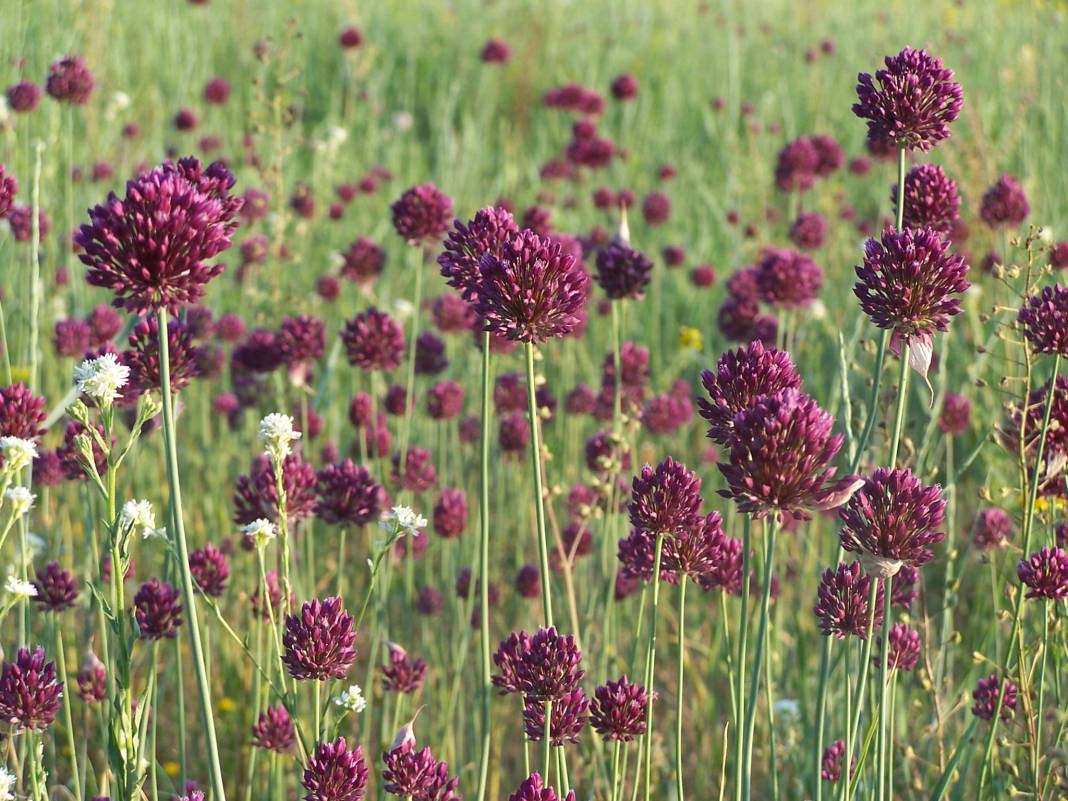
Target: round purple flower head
x,y
402,674
422,215
697,551
931,199
450,513
993,528
416,774
809,230
256,494
273,730
21,413
1044,318
335,773
445,400
363,261
1045,573
467,244
905,286
23,97
29,692
532,291
348,495
795,170
665,500
301,340
787,279
622,271
569,716
743,377
210,570
56,588
780,454
320,641
637,557
1004,203
544,667
92,680
534,789
956,415
70,338
8,188
986,694
430,358
911,102
70,81
373,341
904,650
831,764
618,710
892,520
419,473
842,606
151,247
143,356
157,610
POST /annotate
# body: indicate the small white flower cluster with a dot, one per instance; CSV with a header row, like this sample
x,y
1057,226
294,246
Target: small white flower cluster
x,y
18,454
101,378
403,519
351,699
20,500
19,589
260,531
276,433
7,782
139,516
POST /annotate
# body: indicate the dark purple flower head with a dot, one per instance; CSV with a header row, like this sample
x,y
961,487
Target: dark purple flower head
x,y
256,494
71,338
29,691
894,518
1045,573
143,355
993,527
450,513
445,400
452,315
92,680
466,244
956,415
1005,203
904,650
532,291
158,612
667,413
21,413
210,569
698,550
70,81
528,581
797,166
496,51
809,230
258,354
514,434
301,340
637,557
430,358
151,247
335,773
362,263
665,500
911,102
1044,318
8,189
618,710
780,455
1031,419
743,377
23,97
546,666
831,763
104,325
986,694
421,216
430,602
842,606
419,472
534,789
373,341
931,199
787,279
273,730
905,286
56,588
569,716
20,220
831,156
402,674
348,495
656,208
726,573
625,87
319,641
417,774
622,271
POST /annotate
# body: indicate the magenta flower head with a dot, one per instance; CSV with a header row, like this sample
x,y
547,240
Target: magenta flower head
x,y
726,573
622,271
798,162
417,774
931,199
809,230
402,674
618,710
1044,319
301,340
993,527
56,588
29,691
986,694
320,641
21,413
956,415
445,400
335,773
698,550
842,606
532,291
496,51
151,248
362,263
1045,573
534,789
373,341
569,717
743,377
831,764
157,610
450,513
256,494
665,500
70,81
904,650
273,730
892,520
544,667
780,456
92,680
419,473
422,215
23,97
466,244
637,557
143,356
348,495
911,102
905,286
8,189
210,570
787,279
1004,203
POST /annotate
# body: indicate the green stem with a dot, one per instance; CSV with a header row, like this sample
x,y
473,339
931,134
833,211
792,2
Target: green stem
x,y
862,684
539,492
61,664
650,662
884,783
678,693
743,644
409,406
1040,717
483,573
758,657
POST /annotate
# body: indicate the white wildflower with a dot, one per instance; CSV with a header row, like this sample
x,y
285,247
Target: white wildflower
x,y
7,781
18,453
403,120
404,520
351,699
260,531
139,516
19,589
20,500
276,433
101,378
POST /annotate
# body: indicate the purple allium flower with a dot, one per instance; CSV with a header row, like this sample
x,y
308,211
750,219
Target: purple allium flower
x,y
92,680
104,325
904,650
430,601
402,674
301,340
417,774
833,757
1004,203
20,220
273,730
534,789
931,199
256,494
993,527
274,597
8,188
618,710
421,216
531,291
56,588
893,517
350,38
906,587
911,102
625,87
622,271
348,495
514,433
797,165
151,247
569,715
1060,534
363,262
697,551
450,513
21,413
430,358
743,377
496,51
71,338
185,119
637,556
1045,572
210,569
831,155
780,454
157,610
452,315
666,414
665,500
373,341
1031,419
905,286
656,208
726,573
788,279
319,641
48,469
334,773
217,91
419,473
466,244
1044,318
445,400
23,97
956,415
528,581
70,455
259,353
842,607
70,81
510,393
143,356
986,694
809,230
544,667
29,691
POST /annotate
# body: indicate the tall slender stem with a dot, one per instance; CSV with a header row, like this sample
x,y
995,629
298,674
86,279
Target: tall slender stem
x,y
406,431
61,663
678,693
483,572
758,657
539,492
885,782
1041,710
743,644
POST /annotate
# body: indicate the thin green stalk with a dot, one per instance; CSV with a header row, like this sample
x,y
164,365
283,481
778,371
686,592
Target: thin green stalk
x,y
650,662
616,748
678,694
862,683
61,664
409,384
483,573
901,405
885,782
743,644
1041,710
539,492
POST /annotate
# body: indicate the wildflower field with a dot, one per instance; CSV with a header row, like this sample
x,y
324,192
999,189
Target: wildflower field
x,y
547,401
